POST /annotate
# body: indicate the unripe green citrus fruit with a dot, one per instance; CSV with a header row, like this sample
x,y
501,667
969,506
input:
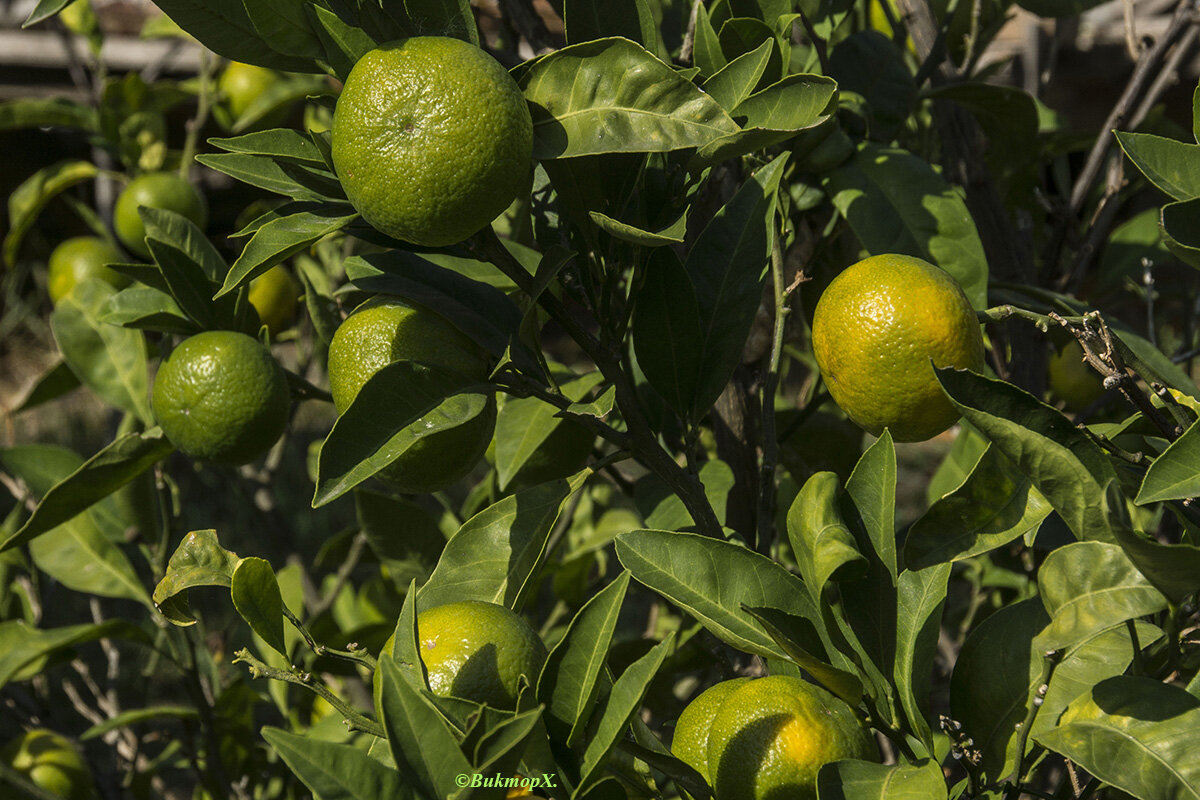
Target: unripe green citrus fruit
x,y
162,190
770,737
79,259
432,139
690,742
1072,380
274,295
875,331
50,762
241,84
388,329
478,651
221,396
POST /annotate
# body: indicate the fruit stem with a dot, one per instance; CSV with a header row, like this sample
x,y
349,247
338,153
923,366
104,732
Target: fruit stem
x,y
354,655
353,718
207,70
643,441
1050,660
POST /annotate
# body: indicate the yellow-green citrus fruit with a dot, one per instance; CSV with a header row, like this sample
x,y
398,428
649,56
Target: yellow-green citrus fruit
x,y
1072,380
241,84
49,761
875,331
690,742
771,736
274,295
478,651
432,139
79,259
221,396
388,329
162,190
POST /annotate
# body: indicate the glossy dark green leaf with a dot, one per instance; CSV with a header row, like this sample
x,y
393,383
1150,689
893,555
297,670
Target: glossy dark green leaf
x,y
398,406
1172,166
146,309
631,19
52,384
524,424
422,744
225,27
871,65
199,560
780,627
191,267
897,203
343,42
727,266
612,96
44,10
995,505
495,556
1180,226
263,172
1173,569
448,17
135,716
404,536
737,80
1136,734
110,361
706,51
501,750
108,470
1175,474
1008,115
256,597
667,330
1087,587
993,681
623,702
282,238
872,487
79,556
22,645
45,112
1069,469
821,540
281,143
337,771
284,27
663,510
714,580
920,596
635,235
482,312
569,681
862,780
28,199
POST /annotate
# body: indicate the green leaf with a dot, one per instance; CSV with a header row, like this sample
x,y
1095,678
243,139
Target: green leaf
x,y
298,181
707,53
337,771
995,505
1008,115
281,143
613,96
284,27
920,597
993,681
737,80
1173,569
448,17
56,381
422,745
1174,167
147,309
1070,470
524,424
821,541
398,406
282,238
569,682
779,626
586,20
1136,734
199,560
726,268
1089,586
871,65
403,535
662,509
897,203
110,361
133,716
80,557
714,580
862,780
343,42
191,267
1058,8
872,486
257,599
114,466
623,702
225,27
1180,227
634,235
1175,474
28,199
23,646
496,554
48,112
